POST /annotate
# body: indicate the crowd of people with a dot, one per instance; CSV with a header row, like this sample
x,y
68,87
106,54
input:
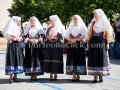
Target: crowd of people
x,y
115,41
43,51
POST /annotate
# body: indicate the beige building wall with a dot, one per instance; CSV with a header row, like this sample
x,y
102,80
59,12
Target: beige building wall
x,y
4,14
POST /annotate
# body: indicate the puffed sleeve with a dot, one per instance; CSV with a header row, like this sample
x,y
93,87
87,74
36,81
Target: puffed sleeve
x,y
83,31
89,34
107,34
41,35
10,37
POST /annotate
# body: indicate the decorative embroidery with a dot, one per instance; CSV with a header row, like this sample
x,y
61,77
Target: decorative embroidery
x,y
53,32
98,68
14,70
98,26
77,70
32,70
75,31
104,73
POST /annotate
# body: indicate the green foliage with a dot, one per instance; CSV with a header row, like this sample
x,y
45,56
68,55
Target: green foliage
x,y
42,9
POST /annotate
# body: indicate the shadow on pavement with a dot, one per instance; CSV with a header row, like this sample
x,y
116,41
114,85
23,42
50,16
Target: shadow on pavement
x,y
46,80
115,61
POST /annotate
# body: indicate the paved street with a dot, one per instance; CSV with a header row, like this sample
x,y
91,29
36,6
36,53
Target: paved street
x,y
111,82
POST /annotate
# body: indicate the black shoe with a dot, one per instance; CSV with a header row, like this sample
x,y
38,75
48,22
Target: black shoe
x,y
73,80
35,80
51,78
95,81
10,81
77,80
100,81
55,78
15,80
31,79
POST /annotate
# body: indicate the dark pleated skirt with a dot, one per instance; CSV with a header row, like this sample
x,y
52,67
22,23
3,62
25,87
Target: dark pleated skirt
x,y
98,59
14,59
76,62
33,59
53,58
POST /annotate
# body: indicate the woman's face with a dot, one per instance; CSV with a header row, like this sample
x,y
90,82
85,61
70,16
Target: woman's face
x,y
19,23
96,16
32,21
51,22
75,21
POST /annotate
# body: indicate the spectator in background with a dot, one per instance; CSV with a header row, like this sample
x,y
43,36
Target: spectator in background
x,y
112,44
112,50
117,38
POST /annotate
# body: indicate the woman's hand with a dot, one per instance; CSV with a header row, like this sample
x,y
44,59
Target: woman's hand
x,y
54,37
30,40
107,46
36,41
49,37
73,40
80,39
19,39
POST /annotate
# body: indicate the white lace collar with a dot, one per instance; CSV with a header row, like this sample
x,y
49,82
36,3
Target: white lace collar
x,y
33,32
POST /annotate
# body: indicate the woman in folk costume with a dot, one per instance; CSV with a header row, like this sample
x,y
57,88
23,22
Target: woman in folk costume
x,y
75,34
53,57
33,50
99,32
14,55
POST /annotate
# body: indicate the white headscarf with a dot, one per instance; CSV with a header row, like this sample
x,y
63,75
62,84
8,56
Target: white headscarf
x,y
12,27
81,24
58,24
103,18
38,26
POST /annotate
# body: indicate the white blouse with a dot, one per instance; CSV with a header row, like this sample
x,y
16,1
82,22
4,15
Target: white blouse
x,y
78,30
98,26
18,33
33,32
53,32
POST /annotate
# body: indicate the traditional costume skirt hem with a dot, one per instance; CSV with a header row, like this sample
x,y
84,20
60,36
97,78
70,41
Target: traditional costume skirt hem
x,y
37,70
81,70
14,70
103,73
